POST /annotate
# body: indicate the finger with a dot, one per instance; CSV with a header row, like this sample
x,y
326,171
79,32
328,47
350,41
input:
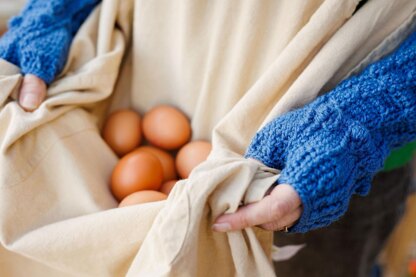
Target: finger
x,y
286,221
273,207
32,92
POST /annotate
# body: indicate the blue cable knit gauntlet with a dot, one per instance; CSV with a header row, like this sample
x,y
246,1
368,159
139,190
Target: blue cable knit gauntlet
x,y
38,39
332,147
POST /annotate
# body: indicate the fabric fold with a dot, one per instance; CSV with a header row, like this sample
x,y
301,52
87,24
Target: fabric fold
x,y
230,67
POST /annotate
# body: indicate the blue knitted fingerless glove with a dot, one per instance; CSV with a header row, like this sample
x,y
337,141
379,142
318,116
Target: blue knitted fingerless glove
x,y
38,39
331,148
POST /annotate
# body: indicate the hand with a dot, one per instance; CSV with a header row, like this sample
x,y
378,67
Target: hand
x,y
278,210
40,56
38,42
325,155
32,92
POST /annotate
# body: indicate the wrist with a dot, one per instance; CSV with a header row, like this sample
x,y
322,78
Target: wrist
x,y
327,163
269,145
48,62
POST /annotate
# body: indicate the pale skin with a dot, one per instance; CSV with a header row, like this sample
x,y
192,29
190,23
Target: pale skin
x,y
280,209
32,92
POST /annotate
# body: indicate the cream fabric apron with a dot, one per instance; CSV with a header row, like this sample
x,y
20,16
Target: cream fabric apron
x,y
231,66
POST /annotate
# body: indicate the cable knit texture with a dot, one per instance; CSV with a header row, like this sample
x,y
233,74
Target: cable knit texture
x,y
331,148
38,39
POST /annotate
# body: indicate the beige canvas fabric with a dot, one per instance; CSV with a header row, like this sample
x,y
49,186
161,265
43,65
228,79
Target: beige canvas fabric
x,y
231,66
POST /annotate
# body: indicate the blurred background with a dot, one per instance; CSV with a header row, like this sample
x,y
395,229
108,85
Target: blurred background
x,y
8,8
399,256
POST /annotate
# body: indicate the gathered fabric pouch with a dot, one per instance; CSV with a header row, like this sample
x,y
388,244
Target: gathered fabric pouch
x,y
231,66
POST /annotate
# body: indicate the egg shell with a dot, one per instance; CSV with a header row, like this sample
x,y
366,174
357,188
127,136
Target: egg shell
x,y
122,131
167,187
190,156
166,127
136,171
140,197
166,159
412,267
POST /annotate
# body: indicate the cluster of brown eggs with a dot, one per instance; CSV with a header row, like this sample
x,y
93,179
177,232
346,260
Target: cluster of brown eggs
x,y
148,173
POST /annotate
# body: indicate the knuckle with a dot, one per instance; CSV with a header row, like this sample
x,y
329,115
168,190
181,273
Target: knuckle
x,y
278,209
243,220
272,226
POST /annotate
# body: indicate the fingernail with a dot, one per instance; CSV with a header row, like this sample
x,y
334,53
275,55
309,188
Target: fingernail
x,y
30,101
221,227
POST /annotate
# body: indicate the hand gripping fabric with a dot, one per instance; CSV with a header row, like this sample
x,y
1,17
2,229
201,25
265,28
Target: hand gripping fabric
x,y
38,39
331,148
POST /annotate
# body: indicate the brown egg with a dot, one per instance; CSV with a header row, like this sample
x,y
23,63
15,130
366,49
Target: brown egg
x,y
141,197
191,155
168,186
122,131
166,127
136,171
166,159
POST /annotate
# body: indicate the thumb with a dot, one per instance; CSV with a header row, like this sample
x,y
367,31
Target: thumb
x,y
32,92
